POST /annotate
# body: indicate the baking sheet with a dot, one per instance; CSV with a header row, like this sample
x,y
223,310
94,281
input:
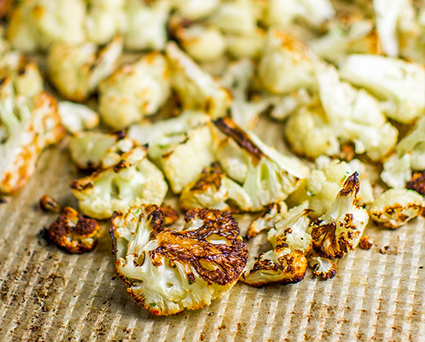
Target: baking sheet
x,y
47,295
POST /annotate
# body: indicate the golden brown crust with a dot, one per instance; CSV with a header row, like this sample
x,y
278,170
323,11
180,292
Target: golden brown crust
x,y
73,233
417,183
211,175
49,204
396,212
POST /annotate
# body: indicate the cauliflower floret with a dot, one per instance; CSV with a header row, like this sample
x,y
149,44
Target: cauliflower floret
x,y
134,91
37,24
286,64
400,83
286,105
73,233
235,17
167,271
92,150
245,45
322,267
274,213
27,126
339,230
195,9
196,88
76,70
145,24
395,207
77,117
286,263
267,175
134,180
212,190
409,155
322,186
181,147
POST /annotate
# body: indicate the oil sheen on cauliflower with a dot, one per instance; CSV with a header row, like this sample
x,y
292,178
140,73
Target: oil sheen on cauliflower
x,y
76,70
395,207
266,175
338,231
167,271
409,155
400,83
196,89
134,91
181,146
132,181
213,189
286,263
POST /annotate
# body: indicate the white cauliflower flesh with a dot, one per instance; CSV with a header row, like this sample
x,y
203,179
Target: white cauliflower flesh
x,y
213,190
286,263
37,24
181,147
196,88
286,105
76,70
409,155
195,9
92,150
322,267
274,213
286,64
167,271
400,83
134,91
27,126
395,207
77,117
266,175
145,24
235,17
134,180
339,230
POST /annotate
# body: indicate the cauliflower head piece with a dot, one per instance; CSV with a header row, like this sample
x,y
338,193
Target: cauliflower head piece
x,y
132,181
167,271
213,189
77,117
322,267
195,88
73,233
76,70
409,155
400,83
286,263
134,91
395,207
182,147
338,231
266,175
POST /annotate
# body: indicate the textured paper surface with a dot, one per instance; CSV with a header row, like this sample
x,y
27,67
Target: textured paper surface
x,y
47,295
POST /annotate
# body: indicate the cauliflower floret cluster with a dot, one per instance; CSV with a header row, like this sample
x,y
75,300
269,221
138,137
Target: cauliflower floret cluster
x,y
168,271
132,181
338,231
286,263
395,207
134,91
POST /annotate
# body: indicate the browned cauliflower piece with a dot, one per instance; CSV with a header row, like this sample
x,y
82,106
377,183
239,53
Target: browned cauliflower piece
x,y
417,183
73,233
168,271
49,204
322,267
274,212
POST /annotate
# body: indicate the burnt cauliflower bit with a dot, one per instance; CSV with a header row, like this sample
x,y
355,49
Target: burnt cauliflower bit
x,y
322,267
73,233
168,271
49,204
417,183
339,230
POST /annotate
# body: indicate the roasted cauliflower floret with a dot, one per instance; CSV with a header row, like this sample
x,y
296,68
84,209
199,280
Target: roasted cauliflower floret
x,y
286,64
77,117
322,267
195,9
274,213
267,175
73,233
168,271
92,150
182,147
395,207
134,180
145,24
212,190
286,263
76,70
196,88
400,83
37,24
339,230
134,91
409,155
417,183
